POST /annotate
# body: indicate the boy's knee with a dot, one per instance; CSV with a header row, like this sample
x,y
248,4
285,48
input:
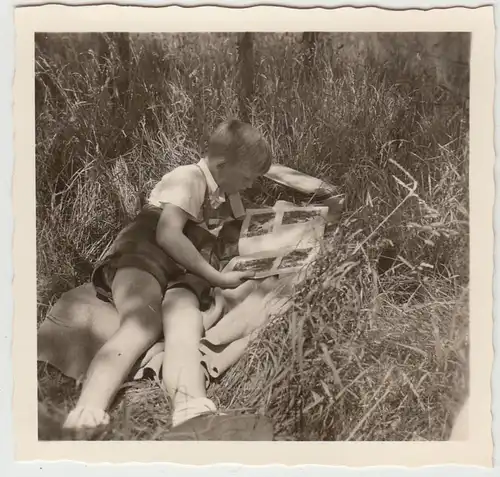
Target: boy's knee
x,y
141,333
144,322
137,296
185,331
182,319
150,331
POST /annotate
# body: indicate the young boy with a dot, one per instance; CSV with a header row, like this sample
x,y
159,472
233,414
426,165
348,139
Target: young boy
x,y
159,273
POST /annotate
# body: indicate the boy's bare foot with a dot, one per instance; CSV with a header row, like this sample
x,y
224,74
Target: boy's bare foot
x,y
84,422
223,427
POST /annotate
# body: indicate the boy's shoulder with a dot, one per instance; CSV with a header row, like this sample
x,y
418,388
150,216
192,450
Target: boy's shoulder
x,y
187,175
187,170
185,183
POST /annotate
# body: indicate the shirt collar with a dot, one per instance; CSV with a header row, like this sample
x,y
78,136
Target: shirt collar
x,y
217,197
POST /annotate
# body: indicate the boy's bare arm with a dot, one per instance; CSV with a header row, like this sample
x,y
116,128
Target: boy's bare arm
x,y
170,236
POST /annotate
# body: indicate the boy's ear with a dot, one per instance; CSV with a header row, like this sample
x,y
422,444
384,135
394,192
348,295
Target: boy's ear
x,y
220,163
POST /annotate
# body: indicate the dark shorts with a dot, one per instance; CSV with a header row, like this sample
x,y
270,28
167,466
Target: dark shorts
x,y
136,246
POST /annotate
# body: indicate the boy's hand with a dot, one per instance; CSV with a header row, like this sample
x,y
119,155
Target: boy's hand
x,y
233,279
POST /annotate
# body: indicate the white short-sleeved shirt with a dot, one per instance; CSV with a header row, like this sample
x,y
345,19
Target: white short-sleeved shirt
x,y
193,189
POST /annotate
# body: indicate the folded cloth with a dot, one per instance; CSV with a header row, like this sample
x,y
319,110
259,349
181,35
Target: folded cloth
x,y
79,323
74,329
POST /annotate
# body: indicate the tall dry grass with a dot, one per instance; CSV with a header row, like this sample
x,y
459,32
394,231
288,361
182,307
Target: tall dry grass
x,y
375,356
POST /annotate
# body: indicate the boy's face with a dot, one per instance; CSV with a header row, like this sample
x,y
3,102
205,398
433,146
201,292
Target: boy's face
x,y
234,178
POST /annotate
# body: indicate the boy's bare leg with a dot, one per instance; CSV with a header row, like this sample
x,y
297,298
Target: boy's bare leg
x,y
137,297
183,375
195,416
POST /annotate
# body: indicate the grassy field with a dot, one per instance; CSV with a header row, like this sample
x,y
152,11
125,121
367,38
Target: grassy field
x,y
379,354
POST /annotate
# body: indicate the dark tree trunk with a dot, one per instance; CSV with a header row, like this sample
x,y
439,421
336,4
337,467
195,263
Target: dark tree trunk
x,y
122,81
246,74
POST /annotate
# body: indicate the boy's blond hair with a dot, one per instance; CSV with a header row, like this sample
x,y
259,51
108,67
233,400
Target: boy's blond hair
x,y
239,142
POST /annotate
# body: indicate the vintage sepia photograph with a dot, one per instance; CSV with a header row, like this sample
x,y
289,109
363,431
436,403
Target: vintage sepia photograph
x,y
149,145
260,223
255,264
294,259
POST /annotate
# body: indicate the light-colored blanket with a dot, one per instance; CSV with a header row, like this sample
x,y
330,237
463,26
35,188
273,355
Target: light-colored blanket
x,y
79,324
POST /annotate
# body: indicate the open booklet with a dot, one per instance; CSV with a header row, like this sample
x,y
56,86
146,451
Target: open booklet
x,y
279,240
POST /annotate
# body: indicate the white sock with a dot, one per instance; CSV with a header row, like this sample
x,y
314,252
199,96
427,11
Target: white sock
x,y
192,408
